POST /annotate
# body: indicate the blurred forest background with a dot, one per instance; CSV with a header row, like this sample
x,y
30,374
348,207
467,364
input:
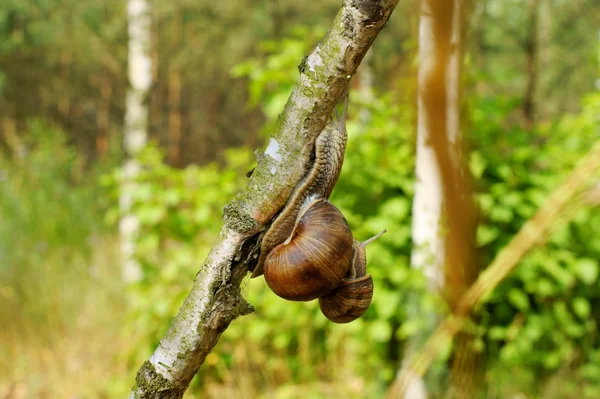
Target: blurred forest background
x,y
222,71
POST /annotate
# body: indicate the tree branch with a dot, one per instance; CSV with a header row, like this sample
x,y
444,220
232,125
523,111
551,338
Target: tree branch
x,y
215,299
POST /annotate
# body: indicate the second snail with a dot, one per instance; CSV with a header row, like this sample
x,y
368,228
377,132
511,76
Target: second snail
x,y
308,252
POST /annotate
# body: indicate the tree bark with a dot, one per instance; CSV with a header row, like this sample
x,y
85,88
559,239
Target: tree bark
x,y
215,299
443,211
174,94
136,128
103,115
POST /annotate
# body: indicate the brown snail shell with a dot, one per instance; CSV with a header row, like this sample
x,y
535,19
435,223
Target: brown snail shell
x,y
352,298
315,258
349,301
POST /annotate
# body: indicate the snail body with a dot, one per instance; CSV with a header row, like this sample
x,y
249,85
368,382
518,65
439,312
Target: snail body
x,y
309,252
352,297
348,301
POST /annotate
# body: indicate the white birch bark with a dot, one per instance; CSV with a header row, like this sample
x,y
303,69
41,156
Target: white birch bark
x,y
136,128
429,242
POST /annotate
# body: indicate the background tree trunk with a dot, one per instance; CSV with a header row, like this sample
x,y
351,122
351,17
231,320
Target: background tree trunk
x,y
136,127
174,141
444,219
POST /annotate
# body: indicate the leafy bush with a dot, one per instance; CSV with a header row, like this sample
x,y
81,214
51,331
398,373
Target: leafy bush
x,y
540,321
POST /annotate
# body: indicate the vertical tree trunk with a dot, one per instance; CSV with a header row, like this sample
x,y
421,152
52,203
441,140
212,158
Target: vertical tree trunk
x,y
175,117
462,267
174,146
531,49
136,125
428,249
443,213
103,116
155,128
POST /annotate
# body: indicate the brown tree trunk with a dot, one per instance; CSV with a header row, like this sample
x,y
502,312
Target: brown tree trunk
x,y
155,129
444,215
103,116
174,152
174,142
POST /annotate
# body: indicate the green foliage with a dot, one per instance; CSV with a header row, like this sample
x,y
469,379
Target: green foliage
x,y
46,198
539,320
179,212
271,81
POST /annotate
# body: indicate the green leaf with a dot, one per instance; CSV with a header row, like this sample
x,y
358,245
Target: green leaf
x,y
501,214
477,164
380,331
581,307
397,208
386,303
497,333
590,372
587,270
552,360
486,202
487,234
518,299
151,215
544,288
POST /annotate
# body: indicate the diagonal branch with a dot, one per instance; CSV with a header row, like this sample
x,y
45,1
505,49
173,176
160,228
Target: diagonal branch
x,y
215,299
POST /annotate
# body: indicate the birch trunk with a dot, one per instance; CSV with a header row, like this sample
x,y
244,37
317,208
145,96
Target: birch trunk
x,y
443,213
215,299
136,128
428,243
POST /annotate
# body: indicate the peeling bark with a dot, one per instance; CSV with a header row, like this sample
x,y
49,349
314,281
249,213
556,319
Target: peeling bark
x,y
215,299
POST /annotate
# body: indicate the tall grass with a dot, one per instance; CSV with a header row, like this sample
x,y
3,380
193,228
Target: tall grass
x,y
59,304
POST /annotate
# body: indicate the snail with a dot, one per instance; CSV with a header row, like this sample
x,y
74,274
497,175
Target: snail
x,y
309,252
351,299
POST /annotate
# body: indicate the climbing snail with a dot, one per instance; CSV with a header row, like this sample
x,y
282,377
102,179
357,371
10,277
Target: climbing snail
x,y
309,252
349,300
